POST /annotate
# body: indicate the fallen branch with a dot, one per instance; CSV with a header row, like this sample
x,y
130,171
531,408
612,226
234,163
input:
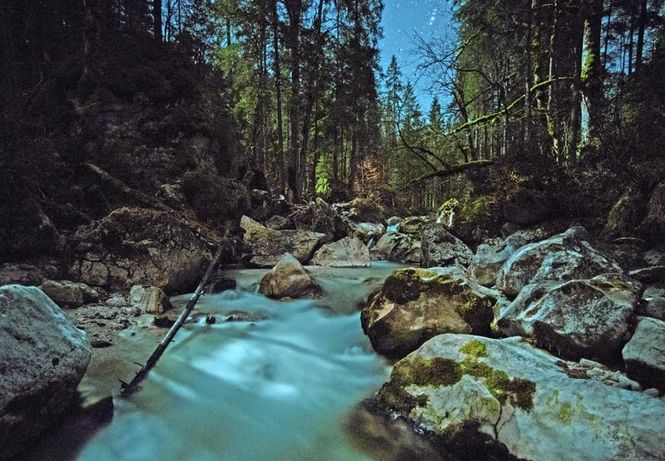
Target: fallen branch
x,y
127,389
455,169
117,184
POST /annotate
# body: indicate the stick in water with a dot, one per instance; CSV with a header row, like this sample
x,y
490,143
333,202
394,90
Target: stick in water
x,y
128,389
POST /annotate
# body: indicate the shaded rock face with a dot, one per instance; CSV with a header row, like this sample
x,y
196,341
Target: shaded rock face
x,y
490,257
579,318
42,359
654,303
625,215
348,252
564,256
505,398
268,245
26,274
69,294
135,246
653,225
644,355
441,248
416,304
151,300
399,248
289,279
320,217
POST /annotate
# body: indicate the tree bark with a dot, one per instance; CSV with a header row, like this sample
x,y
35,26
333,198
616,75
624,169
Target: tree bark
x,y
278,94
157,19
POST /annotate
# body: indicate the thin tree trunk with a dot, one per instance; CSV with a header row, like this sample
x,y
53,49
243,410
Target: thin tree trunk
x,y
157,19
294,9
592,84
278,95
640,35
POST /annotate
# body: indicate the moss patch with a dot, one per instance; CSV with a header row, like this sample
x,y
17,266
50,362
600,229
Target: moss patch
x,y
474,348
565,413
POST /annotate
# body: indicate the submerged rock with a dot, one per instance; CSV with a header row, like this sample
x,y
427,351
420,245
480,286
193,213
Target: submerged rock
x,y
644,355
578,318
417,304
134,246
501,398
348,252
69,294
564,256
441,248
289,279
268,245
42,359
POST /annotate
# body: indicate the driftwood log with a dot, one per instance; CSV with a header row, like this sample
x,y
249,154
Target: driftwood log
x,y
129,388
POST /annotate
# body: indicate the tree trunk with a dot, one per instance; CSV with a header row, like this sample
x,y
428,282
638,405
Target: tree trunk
x,y
157,19
278,94
592,84
641,26
294,11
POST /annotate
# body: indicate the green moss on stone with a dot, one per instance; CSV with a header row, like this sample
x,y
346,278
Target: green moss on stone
x,y
565,413
474,348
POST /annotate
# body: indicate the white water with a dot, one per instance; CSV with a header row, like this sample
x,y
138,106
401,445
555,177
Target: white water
x,y
276,389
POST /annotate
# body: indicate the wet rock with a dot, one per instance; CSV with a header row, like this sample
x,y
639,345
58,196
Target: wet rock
x,y
69,294
289,279
279,223
441,248
133,246
504,398
416,304
578,318
348,252
564,256
148,299
644,355
489,258
268,245
42,359
221,282
398,248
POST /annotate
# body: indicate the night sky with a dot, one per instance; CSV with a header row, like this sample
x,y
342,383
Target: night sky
x,y
402,19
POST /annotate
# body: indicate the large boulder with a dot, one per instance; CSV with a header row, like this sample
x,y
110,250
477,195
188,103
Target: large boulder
x,y
577,318
491,255
348,252
441,248
69,294
644,355
26,274
42,359
268,245
319,216
136,246
564,256
368,232
288,279
417,304
505,399
399,248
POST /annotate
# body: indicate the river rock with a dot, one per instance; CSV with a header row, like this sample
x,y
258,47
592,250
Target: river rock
x,y
69,294
493,399
441,248
318,216
490,257
348,252
396,247
414,225
42,359
268,245
564,256
654,303
289,279
148,299
644,354
26,274
135,246
367,231
578,318
416,304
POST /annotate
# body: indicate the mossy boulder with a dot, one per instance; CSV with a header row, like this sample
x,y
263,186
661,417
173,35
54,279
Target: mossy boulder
x,y
416,304
576,318
506,399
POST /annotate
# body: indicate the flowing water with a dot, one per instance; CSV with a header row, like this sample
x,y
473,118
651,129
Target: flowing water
x,y
274,386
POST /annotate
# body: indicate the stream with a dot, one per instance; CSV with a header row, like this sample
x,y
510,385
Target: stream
x,y
274,384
